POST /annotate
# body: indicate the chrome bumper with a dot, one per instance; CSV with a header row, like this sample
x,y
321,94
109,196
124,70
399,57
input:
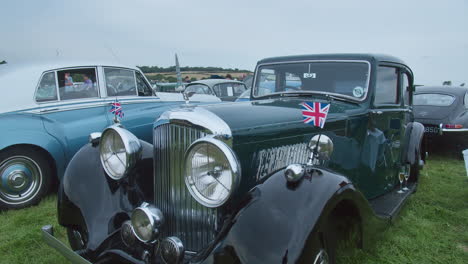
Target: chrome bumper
x,y
442,130
72,256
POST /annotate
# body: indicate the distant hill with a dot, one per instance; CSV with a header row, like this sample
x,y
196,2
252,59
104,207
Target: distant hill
x,y
157,69
168,74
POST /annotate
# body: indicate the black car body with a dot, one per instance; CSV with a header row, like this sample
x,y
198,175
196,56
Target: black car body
x,y
444,112
251,182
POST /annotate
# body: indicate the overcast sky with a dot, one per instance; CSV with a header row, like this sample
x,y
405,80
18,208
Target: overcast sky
x,y
431,36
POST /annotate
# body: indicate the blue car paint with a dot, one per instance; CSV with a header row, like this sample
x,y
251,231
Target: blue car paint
x,y
63,133
28,129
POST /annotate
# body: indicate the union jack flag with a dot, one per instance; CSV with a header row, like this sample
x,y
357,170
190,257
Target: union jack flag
x,y
116,109
315,113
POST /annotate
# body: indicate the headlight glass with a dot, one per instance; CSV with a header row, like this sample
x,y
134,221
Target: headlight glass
x,y
212,171
119,151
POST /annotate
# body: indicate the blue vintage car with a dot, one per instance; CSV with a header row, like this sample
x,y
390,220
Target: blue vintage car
x,y
48,111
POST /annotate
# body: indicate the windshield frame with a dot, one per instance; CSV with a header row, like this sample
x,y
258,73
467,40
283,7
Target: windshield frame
x,y
280,94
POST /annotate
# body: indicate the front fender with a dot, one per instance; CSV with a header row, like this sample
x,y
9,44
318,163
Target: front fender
x,y
276,223
102,203
22,129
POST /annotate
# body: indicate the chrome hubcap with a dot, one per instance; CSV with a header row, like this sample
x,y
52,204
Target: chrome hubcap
x,y
321,258
20,180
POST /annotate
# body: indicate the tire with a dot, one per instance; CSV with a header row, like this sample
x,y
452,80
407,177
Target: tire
x,y
321,247
25,177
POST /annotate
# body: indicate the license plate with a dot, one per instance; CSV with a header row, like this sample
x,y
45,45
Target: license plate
x,y
431,129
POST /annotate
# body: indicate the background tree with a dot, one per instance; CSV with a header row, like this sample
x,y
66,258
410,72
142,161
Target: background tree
x,y
2,62
449,83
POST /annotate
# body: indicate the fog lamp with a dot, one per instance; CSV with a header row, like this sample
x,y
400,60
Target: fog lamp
x,y
172,250
127,235
146,222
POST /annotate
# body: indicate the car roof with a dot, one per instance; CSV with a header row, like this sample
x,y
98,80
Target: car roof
x,y
454,90
212,82
335,56
18,82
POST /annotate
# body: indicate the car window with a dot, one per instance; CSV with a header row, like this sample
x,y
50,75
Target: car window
x,y
143,88
266,82
386,91
198,89
47,89
433,99
406,90
120,82
229,89
77,83
345,78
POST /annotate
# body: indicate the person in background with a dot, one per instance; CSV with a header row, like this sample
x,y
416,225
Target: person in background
x,y
228,76
187,79
88,84
68,82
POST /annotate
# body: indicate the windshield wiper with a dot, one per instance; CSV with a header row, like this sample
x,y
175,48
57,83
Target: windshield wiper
x,y
328,96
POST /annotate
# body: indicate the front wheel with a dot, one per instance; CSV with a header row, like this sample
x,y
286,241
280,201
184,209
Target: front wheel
x,y
25,176
321,247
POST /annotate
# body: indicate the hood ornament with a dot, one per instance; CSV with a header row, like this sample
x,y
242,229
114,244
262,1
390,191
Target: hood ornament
x,y
187,96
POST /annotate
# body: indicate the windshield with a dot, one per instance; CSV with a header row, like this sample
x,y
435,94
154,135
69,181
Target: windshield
x,y
345,78
433,99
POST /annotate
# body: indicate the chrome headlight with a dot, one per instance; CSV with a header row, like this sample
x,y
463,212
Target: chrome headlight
x,y
212,171
146,222
119,151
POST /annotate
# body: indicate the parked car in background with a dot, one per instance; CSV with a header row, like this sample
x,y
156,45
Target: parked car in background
x,y
168,87
278,179
444,112
226,90
245,96
48,111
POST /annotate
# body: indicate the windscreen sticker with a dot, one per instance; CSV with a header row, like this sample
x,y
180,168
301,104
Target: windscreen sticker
x,y
358,91
311,75
229,91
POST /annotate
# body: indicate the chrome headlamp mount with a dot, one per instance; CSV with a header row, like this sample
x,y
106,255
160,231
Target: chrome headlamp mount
x,y
321,149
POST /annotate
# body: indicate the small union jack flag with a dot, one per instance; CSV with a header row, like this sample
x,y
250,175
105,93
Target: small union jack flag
x,y
116,109
315,113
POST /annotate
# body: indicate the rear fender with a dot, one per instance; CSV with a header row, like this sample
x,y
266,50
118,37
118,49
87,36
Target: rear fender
x,y
22,129
413,137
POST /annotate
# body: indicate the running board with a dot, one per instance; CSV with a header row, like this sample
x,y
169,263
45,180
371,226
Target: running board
x,y
388,205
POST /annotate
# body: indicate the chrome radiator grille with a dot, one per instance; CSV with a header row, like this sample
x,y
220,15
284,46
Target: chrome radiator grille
x,y
185,218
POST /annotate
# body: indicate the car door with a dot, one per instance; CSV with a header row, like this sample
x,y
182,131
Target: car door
x,y
71,106
139,105
382,146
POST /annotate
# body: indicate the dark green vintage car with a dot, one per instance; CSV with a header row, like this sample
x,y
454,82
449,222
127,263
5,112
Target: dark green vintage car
x,y
320,153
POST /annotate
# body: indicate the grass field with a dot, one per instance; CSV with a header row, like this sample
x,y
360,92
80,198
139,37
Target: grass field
x,y
431,228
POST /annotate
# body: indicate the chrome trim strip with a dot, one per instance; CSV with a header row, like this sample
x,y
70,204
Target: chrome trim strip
x,y
197,116
72,256
455,129
62,108
310,61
